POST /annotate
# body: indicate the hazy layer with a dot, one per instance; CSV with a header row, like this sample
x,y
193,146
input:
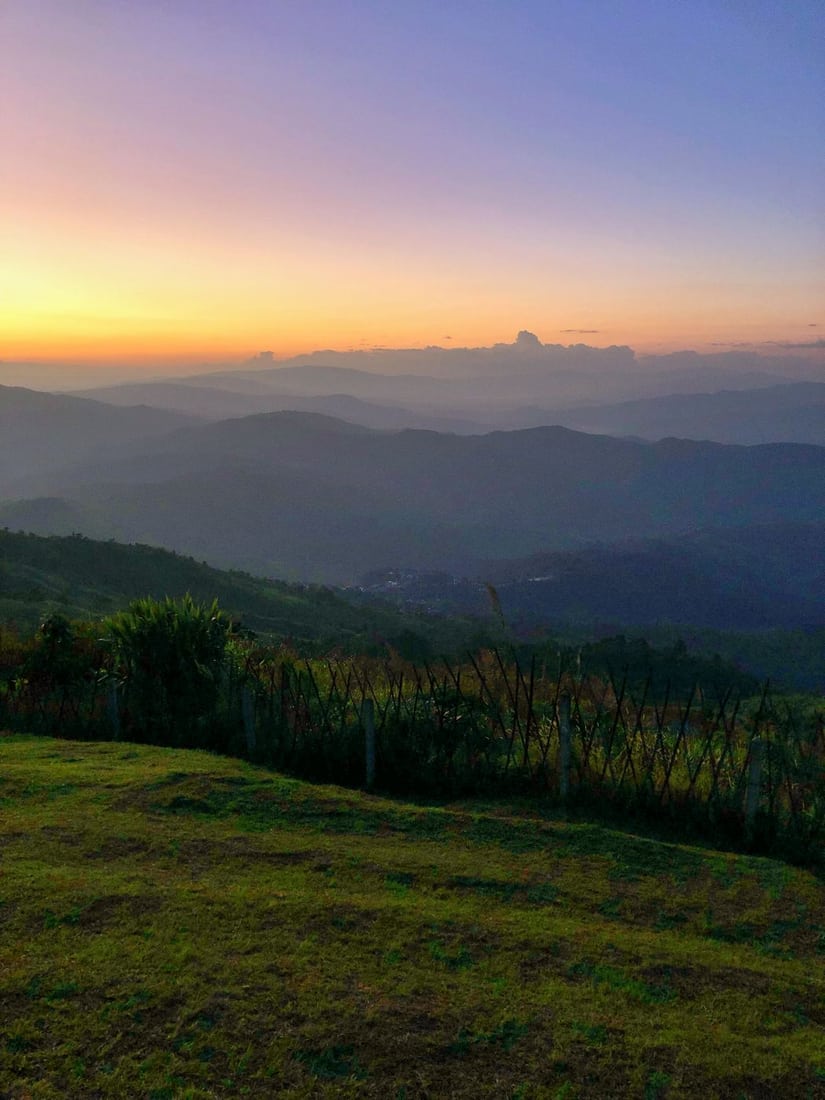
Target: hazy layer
x,y
577,370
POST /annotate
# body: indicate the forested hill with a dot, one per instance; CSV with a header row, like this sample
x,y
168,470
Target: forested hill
x,y
42,432
310,497
84,578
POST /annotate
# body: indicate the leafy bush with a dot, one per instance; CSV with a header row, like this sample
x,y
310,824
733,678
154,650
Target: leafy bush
x,y
170,656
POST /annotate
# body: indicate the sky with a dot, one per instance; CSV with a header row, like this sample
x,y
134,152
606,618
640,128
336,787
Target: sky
x,y
197,180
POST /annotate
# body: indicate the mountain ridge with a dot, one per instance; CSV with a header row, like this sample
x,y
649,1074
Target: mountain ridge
x,y
325,500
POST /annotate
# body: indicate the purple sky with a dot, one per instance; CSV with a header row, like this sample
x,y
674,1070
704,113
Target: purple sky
x,y
202,179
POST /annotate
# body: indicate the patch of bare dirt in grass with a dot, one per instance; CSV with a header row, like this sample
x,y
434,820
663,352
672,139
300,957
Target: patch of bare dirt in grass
x,y
805,1007
103,912
15,1005
244,847
340,918
537,963
71,837
536,891
96,916
794,1083
120,848
8,910
203,852
692,981
145,796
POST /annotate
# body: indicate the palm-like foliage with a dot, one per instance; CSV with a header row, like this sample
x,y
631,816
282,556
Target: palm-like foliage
x,y
169,655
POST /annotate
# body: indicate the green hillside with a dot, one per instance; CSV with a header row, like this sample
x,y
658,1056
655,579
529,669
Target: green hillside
x,y
175,924
86,579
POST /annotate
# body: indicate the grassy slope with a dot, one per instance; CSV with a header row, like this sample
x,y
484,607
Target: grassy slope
x,y
85,578
179,925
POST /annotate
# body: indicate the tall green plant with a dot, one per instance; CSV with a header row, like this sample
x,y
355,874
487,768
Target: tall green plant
x,y
170,655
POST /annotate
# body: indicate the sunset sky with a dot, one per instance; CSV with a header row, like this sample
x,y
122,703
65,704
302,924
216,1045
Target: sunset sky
x,y
190,180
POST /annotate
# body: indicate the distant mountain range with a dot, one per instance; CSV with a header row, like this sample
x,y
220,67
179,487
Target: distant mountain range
x,y
731,397
43,432
589,486
614,371
789,413
212,403
308,497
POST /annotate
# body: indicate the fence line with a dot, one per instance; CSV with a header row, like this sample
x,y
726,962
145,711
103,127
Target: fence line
x,y
755,769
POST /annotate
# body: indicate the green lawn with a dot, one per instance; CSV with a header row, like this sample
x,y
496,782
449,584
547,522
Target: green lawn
x,y
173,924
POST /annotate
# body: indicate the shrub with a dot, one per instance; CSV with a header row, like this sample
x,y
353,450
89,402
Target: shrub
x,y
170,656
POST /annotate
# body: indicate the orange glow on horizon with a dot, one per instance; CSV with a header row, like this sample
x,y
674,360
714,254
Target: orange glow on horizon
x,y
187,184
102,354
138,300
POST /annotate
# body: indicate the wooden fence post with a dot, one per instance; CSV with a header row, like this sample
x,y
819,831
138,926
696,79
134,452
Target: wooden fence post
x,y
564,747
113,708
757,756
368,719
248,712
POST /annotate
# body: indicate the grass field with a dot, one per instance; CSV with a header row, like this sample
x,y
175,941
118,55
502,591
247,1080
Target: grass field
x,y
174,924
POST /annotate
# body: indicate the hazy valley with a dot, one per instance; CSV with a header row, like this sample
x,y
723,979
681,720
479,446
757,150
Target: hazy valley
x,y
700,513
263,476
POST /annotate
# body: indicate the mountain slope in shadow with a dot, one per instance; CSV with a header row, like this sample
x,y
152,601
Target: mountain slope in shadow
x,y
316,498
